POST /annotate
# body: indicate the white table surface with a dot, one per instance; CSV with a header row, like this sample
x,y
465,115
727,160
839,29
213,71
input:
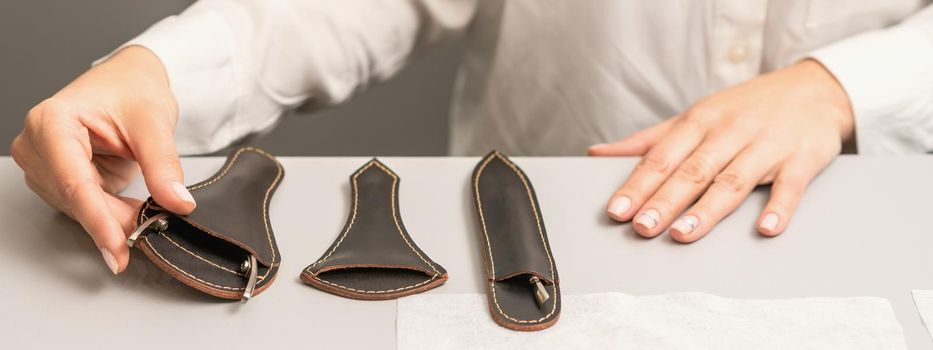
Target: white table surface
x,y
864,228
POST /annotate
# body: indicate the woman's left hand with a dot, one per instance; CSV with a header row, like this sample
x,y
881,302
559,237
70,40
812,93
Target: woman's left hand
x,y
782,128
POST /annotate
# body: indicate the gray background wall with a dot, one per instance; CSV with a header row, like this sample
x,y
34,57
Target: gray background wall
x,y
44,44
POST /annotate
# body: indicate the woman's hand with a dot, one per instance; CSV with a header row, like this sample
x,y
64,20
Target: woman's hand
x,y
80,148
783,127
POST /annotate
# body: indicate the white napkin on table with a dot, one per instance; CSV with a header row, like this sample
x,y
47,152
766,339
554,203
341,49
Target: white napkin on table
x,y
924,301
669,321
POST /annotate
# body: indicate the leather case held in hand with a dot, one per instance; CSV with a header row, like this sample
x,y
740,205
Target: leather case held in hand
x,y
225,247
522,287
374,258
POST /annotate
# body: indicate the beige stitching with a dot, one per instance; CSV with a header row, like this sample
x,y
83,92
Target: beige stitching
x,y
479,205
353,219
376,291
268,190
186,272
223,172
395,218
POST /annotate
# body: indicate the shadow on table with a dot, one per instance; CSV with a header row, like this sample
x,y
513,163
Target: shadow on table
x,y
57,247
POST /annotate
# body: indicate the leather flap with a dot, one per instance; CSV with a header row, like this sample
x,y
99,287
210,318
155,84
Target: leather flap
x,y
209,250
374,235
233,205
333,267
373,257
515,247
200,260
517,238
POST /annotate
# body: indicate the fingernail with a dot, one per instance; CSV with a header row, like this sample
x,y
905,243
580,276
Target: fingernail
x,y
770,222
599,145
649,219
109,260
182,192
686,224
620,205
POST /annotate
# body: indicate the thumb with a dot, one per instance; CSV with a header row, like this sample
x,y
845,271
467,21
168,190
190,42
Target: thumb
x,y
635,144
151,138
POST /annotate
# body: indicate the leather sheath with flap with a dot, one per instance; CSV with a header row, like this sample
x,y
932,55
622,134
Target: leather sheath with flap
x,y
374,258
225,247
522,287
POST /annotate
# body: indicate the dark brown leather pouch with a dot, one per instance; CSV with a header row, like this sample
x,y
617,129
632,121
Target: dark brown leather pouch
x,y
522,286
374,258
225,247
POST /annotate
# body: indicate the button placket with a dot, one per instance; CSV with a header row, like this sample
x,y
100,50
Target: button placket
x,y
736,41
739,51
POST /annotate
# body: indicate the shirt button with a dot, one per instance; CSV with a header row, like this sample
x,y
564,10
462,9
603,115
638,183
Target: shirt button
x,y
738,51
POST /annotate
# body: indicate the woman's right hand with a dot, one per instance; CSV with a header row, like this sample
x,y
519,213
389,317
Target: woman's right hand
x,y
84,145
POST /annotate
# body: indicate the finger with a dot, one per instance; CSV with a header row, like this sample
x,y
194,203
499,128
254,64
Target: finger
x,y
116,173
25,156
728,189
635,144
786,191
90,207
152,142
70,173
42,183
44,194
19,152
687,183
654,167
124,210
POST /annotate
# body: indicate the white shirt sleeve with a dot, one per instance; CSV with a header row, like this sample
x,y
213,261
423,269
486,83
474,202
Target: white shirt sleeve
x,y
235,65
888,75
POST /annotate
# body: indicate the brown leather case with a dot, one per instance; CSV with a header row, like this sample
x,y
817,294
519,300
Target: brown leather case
x,y
374,258
225,247
522,286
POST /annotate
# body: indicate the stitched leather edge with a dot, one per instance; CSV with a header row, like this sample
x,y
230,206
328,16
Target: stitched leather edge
x,y
373,266
376,291
479,206
523,272
346,232
142,217
146,238
220,175
190,282
362,295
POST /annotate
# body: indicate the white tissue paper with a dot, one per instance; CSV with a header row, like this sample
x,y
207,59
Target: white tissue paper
x,y
669,321
924,301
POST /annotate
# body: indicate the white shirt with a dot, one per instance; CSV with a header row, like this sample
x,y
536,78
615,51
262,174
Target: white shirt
x,y
543,77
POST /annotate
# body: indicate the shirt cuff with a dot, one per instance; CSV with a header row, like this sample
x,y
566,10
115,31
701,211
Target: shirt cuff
x,y
197,50
884,73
